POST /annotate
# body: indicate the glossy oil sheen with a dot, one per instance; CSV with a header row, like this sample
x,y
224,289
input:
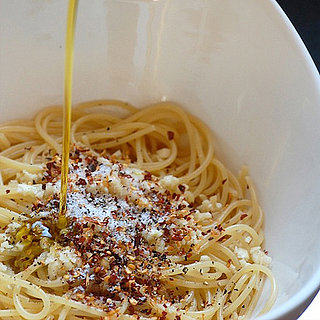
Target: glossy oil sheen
x,y
71,23
238,65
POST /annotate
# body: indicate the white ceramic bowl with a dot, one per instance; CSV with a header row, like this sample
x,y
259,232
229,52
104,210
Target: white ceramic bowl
x,y
238,65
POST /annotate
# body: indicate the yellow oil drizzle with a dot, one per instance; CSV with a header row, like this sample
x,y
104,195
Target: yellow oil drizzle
x,y
71,22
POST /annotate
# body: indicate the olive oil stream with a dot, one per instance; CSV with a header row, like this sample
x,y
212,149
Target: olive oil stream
x,y
68,72
27,235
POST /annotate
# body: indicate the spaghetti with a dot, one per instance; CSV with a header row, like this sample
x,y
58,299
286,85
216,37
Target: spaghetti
x,y
157,226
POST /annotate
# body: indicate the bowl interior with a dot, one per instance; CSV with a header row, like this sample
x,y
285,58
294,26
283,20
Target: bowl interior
x,y
238,65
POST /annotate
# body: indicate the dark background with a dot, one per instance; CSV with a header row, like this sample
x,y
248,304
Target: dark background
x,y
305,16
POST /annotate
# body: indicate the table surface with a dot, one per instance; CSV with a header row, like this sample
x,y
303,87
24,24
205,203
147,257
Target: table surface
x,y
305,16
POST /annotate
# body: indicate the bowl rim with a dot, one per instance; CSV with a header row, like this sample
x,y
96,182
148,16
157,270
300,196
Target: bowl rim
x,y
300,300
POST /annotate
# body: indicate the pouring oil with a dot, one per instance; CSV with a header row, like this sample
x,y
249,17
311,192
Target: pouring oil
x,y
71,22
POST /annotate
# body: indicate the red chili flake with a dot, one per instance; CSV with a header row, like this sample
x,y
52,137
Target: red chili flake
x,y
224,181
220,228
177,237
229,263
82,239
147,176
147,311
223,238
137,240
266,252
166,232
243,216
50,165
182,188
170,135
7,191
130,309
122,174
178,234
89,219
81,182
44,186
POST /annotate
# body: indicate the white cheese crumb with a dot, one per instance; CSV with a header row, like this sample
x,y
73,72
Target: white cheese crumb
x,y
218,205
3,267
6,269
244,262
115,186
51,189
5,245
13,227
189,196
34,190
258,256
59,261
152,235
206,206
241,253
169,182
210,205
235,316
205,258
247,239
201,216
27,177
